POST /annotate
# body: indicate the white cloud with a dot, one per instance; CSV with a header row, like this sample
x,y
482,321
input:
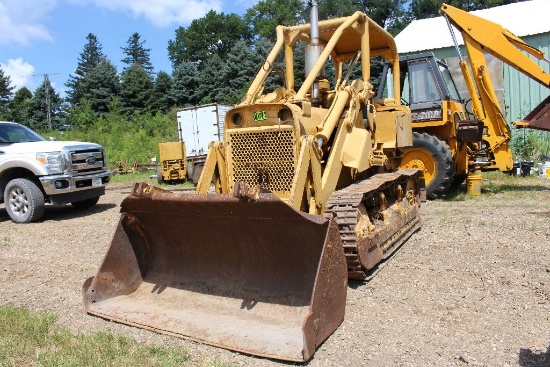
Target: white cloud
x,y
160,13
20,72
21,21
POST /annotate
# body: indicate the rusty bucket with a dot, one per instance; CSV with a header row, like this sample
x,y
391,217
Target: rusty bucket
x,y
539,118
251,276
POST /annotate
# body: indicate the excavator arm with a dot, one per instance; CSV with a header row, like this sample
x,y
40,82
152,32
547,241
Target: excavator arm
x,y
481,35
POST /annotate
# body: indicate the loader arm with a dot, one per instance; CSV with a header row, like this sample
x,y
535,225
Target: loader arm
x,y
482,35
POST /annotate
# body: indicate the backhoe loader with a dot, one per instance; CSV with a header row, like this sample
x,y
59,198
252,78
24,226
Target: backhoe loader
x,y
439,147
450,144
306,193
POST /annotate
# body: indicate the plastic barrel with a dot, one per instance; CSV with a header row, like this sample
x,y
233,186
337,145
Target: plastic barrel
x,y
473,183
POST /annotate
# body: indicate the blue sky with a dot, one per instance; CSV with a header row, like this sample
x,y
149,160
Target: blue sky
x,y
47,36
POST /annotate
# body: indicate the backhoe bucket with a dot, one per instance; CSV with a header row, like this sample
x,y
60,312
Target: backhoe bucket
x,y
254,276
539,118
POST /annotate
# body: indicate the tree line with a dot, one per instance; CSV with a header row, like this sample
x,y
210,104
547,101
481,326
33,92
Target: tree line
x,y
213,60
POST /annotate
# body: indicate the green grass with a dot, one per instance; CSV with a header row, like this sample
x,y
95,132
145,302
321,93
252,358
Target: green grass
x,y
497,182
31,339
144,176
132,177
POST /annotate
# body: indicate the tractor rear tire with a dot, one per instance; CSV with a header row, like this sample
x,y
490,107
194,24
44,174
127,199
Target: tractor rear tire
x,y
435,159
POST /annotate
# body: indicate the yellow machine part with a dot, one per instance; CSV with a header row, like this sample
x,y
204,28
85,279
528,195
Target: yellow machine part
x,y
173,161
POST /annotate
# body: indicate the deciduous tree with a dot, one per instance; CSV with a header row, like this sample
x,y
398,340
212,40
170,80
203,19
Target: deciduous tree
x,y
215,33
267,14
421,9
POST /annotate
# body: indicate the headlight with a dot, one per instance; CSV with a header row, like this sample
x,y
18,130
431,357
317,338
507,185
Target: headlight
x,y
52,161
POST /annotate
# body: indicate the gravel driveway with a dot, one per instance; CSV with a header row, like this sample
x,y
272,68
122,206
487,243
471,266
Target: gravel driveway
x,y
472,288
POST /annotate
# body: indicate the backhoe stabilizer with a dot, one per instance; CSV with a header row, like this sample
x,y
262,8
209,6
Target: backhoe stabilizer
x,y
254,276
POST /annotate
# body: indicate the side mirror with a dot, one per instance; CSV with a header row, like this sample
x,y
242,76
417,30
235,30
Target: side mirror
x,y
52,138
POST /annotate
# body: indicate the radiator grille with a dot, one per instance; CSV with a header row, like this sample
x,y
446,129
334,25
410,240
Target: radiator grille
x,y
262,157
87,161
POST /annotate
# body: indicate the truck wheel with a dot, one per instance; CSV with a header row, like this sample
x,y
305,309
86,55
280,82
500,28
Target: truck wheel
x,y
24,201
435,159
85,204
160,180
197,173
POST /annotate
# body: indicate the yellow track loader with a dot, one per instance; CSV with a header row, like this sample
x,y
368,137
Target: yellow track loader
x,y
303,192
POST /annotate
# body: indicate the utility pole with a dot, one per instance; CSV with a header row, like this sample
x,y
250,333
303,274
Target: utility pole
x,y
48,98
48,106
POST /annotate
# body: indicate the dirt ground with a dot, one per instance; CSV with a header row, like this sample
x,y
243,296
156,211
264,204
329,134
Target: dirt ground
x,y
471,288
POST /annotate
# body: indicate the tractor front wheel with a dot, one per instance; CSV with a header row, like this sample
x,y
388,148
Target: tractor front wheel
x,y
435,159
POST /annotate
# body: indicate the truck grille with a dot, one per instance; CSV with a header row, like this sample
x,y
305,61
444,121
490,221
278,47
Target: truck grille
x,y
264,157
87,161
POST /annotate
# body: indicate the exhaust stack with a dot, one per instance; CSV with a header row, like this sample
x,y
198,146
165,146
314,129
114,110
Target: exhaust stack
x,y
314,49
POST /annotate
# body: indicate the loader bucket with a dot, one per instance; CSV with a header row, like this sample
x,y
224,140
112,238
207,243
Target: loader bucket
x,y
251,276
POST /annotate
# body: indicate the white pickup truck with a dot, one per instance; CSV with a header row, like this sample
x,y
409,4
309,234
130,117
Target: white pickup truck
x,y
35,171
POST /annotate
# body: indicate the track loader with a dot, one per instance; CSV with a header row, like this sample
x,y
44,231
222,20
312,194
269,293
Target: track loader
x,y
307,192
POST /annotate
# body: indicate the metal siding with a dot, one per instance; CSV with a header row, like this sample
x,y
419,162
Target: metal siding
x,y
522,93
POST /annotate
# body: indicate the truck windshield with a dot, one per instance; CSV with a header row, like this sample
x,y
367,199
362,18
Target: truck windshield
x,y
15,133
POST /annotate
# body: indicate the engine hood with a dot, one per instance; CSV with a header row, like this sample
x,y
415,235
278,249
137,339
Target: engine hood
x,y
46,146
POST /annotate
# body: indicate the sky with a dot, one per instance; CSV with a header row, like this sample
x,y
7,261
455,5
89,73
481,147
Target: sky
x,y
46,37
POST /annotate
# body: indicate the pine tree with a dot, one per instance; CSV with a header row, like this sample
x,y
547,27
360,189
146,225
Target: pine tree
x,y
101,85
136,89
239,70
162,99
89,59
186,80
6,94
46,108
212,81
19,106
136,53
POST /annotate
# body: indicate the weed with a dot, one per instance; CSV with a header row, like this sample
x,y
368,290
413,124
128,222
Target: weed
x,y
145,177
29,338
6,243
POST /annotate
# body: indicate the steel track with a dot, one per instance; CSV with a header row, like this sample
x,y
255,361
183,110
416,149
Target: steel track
x,y
343,205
